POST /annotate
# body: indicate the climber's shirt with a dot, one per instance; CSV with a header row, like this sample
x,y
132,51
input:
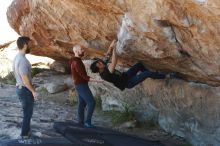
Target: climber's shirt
x,y
117,78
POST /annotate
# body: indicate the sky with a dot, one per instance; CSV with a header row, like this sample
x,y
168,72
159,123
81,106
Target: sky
x,y
6,32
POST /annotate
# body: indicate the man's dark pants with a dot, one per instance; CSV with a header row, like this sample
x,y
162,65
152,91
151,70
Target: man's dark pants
x,y
133,78
27,101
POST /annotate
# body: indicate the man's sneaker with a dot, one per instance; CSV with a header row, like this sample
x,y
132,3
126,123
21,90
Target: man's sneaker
x,y
25,137
86,125
28,136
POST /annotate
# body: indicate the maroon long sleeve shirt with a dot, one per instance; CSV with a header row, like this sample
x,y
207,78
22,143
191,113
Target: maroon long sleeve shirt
x,y
78,71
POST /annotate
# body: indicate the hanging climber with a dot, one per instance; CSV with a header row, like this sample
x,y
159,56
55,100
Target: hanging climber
x,y
122,80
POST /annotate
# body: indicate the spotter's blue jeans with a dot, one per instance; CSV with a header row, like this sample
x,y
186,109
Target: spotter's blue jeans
x,y
85,99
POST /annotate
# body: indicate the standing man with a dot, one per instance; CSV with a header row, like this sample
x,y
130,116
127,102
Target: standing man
x,y
24,87
81,79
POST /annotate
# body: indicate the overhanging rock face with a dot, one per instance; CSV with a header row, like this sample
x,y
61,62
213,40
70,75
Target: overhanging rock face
x,y
173,35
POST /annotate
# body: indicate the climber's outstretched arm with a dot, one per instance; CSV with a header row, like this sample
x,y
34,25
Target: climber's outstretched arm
x,y
108,54
110,48
114,60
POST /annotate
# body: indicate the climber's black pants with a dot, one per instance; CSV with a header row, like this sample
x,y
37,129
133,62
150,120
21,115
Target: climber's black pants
x,y
133,78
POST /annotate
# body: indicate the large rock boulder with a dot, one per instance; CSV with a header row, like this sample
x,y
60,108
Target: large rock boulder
x,y
173,35
52,81
58,66
55,88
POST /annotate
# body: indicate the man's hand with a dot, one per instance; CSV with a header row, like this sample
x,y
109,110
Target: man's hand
x,y
35,94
